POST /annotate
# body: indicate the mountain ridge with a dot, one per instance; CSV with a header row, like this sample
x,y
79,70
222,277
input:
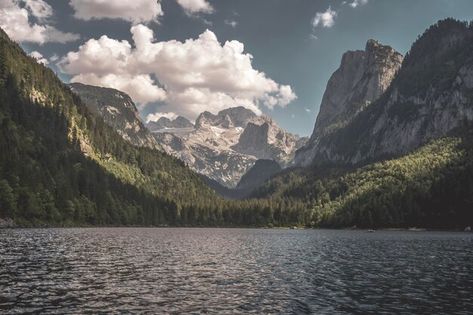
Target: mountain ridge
x,y
118,110
222,146
430,95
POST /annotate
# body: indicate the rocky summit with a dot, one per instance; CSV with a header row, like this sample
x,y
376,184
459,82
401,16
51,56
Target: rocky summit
x,y
430,96
224,146
362,77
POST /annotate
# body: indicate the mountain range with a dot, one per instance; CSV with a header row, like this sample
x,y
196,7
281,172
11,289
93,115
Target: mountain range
x,y
391,147
224,146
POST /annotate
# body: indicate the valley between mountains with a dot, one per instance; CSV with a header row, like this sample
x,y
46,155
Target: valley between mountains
x,y
392,147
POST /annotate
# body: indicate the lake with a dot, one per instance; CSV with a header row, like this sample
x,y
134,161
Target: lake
x,y
232,271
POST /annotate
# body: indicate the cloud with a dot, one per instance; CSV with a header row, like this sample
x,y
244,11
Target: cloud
x,y
26,21
136,11
39,9
39,57
325,19
156,116
231,23
192,7
187,77
356,3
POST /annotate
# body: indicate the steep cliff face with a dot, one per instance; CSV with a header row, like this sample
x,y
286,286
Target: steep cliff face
x,y
431,96
224,146
118,111
361,78
265,140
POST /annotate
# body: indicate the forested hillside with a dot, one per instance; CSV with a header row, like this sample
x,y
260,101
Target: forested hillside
x,y
430,187
59,164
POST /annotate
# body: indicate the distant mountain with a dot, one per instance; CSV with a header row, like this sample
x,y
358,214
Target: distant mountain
x,y
118,111
225,146
232,117
166,123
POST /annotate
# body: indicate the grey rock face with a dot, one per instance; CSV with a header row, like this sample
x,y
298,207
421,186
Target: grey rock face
x,y
265,140
118,111
431,96
362,77
225,146
228,118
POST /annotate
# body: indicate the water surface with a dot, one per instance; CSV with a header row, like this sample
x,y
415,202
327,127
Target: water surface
x,y
235,271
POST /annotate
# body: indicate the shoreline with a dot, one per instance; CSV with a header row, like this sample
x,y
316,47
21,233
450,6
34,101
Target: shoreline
x,y
367,230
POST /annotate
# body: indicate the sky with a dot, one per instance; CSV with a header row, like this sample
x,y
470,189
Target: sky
x,y
183,57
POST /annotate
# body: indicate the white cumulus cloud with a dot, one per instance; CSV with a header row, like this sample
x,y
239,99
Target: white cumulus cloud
x,y
188,77
136,11
39,57
195,6
325,19
157,116
26,21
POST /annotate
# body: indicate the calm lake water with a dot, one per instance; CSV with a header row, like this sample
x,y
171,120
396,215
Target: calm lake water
x,y
235,271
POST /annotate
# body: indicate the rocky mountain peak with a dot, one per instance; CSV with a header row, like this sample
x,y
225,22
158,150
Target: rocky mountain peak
x,y
363,75
204,119
239,116
231,117
361,78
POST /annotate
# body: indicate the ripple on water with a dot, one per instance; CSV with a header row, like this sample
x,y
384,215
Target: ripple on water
x,y
230,271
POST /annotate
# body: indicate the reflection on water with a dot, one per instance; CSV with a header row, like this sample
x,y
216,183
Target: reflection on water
x,y
235,271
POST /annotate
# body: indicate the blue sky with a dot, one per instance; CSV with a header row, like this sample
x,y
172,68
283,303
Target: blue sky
x,y
290,55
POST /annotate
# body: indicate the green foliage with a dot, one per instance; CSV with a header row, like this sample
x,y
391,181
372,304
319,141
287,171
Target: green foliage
x,y
7,200
429,187
62,165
